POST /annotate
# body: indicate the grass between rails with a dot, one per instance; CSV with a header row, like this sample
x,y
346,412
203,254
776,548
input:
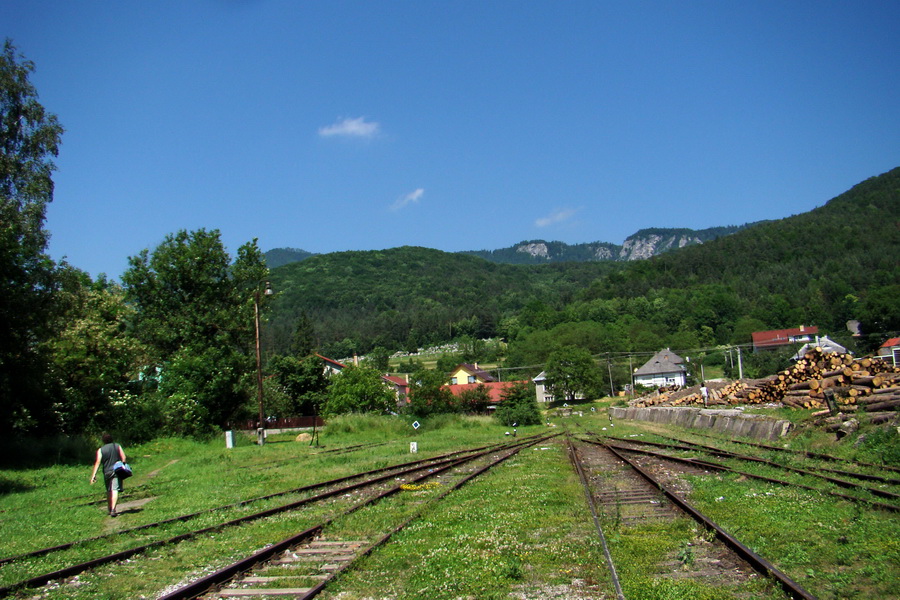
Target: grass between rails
x,y
523,527
520,531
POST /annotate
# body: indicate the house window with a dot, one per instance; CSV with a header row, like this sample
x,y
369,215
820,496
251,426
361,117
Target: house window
x,y
471,379
453,381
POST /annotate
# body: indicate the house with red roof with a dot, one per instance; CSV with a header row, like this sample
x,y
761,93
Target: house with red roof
x,y
400,386
890,351
331,366
495,390
779,338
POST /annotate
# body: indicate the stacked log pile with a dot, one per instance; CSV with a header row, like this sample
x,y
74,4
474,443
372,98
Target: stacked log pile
x,y
868,383
718,395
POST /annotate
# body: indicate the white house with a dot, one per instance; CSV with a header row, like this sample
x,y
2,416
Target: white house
x,y
665,368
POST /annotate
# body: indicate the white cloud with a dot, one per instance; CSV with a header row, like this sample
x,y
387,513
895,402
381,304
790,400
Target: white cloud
x,y
557,216
410,198
351,128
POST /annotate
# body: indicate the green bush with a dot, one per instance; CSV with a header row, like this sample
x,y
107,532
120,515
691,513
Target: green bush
x,y
519,406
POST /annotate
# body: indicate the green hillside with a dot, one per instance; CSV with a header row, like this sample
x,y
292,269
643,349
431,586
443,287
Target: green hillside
x,y
410,296
825,267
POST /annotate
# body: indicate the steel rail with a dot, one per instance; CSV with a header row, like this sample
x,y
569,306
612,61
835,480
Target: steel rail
x,y
118,556
350,448
203,585
864,476
726,454
576,463
719,467
759,564
809,454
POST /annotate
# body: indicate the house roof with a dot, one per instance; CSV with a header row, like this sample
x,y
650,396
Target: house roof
x,y
781,337
664,361
396,380
495,388
330,361
473,370
891,343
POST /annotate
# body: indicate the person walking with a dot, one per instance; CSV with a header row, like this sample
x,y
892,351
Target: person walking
x,y
107,455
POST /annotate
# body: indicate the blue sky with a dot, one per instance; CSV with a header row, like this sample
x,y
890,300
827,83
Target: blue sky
x,y
457,125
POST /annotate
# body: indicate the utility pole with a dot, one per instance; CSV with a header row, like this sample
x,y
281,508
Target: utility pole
x,y
631,371
261,429
612,391
740,364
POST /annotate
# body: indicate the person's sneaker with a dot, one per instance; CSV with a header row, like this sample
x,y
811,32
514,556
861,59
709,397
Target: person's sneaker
x,y
113,513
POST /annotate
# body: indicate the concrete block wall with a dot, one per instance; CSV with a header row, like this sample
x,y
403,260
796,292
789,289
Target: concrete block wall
x,y
730,421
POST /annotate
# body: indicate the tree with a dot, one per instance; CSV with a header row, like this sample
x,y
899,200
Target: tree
x,y
358,390
195,312
303,340
880,313
518,406
379,359
29,138
303,382
428,394
570,372
93,358
474,399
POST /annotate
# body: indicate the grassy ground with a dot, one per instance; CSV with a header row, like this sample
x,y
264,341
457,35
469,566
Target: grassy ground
x,y
520,531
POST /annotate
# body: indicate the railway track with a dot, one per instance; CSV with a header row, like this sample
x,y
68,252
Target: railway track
x,y
370,482
302,565
624,495
625,485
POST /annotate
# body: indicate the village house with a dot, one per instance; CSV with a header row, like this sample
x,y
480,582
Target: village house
x,y
542,389
780,338
466,373
469,376
665,368
890,351
495,390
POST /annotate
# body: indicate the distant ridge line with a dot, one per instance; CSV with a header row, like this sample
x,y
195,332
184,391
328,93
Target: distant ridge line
x,y
641,245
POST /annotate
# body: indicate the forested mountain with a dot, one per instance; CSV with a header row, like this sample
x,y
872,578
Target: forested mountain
x,y
824,267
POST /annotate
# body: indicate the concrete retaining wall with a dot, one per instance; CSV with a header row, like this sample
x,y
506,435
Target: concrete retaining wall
x,y
732,422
